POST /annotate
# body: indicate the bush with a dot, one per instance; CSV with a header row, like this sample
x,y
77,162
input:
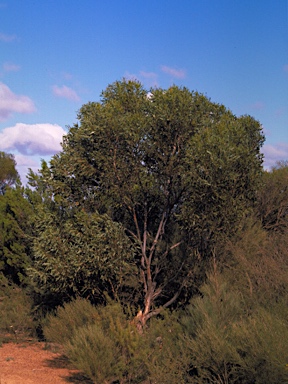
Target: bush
x,y
60,326
166,354
125,358
94,353
228,343
16,317
99,340
261,340
103,343
257,264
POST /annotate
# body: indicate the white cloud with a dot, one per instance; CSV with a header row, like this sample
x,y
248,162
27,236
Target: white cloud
x,y
258,105
150,79
281,111
25,161
35,139
10,103
23,164
148,75
10,67
7,38
65,92
177,73
274,153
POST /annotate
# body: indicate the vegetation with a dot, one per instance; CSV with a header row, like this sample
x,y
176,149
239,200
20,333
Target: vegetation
x,y
16,308
155,244
8,173
174,170
16,234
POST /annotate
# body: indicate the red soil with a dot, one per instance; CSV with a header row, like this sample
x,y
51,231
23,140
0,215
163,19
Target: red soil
x,y
32,363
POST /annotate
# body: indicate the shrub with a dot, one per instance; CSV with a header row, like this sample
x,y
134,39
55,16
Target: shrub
x,y
103,343
165,354
16,317
261,340
94,353
60,326
108,349
229,344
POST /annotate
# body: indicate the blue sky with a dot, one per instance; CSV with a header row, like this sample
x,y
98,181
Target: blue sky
x,y
57,55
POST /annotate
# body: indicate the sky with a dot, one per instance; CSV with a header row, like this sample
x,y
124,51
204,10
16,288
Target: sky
x,y
56,56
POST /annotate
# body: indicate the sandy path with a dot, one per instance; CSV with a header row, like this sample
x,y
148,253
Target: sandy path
x,y
30,364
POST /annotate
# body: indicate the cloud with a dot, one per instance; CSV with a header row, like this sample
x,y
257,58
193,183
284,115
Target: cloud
x,y
148,75
274,153
11,103
281,111
10,67
35,139
65,92
258,105
150,79
23,164
177,73
7,38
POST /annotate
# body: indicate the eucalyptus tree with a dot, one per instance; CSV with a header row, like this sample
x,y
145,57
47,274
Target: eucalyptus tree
x,y
15,234
15,230
8,172
272,207
173,168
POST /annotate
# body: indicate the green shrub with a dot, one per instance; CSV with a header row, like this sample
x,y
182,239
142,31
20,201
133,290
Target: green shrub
x,y
165,353
16,317
94,353
60,326
262,340
109,349
228,343
103,343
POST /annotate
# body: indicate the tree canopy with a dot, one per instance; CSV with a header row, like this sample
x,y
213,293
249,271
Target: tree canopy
x,y
273,198
15,234
177,171
8,172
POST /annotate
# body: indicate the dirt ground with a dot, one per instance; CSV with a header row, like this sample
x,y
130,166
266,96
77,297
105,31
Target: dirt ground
x,y
36,363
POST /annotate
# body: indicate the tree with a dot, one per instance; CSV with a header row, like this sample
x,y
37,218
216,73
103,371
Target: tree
x,y
80,254
15,234
138,157
224,177
8,172
272,207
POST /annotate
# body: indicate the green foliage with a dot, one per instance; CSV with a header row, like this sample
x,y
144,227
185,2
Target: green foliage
x,y
165,353
106,345
16,317
272,207
8,173
79,254
108,349
15,234
177,171
95,354
60,326
235,331
223,178
231,339
100,341
257,264
261,341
